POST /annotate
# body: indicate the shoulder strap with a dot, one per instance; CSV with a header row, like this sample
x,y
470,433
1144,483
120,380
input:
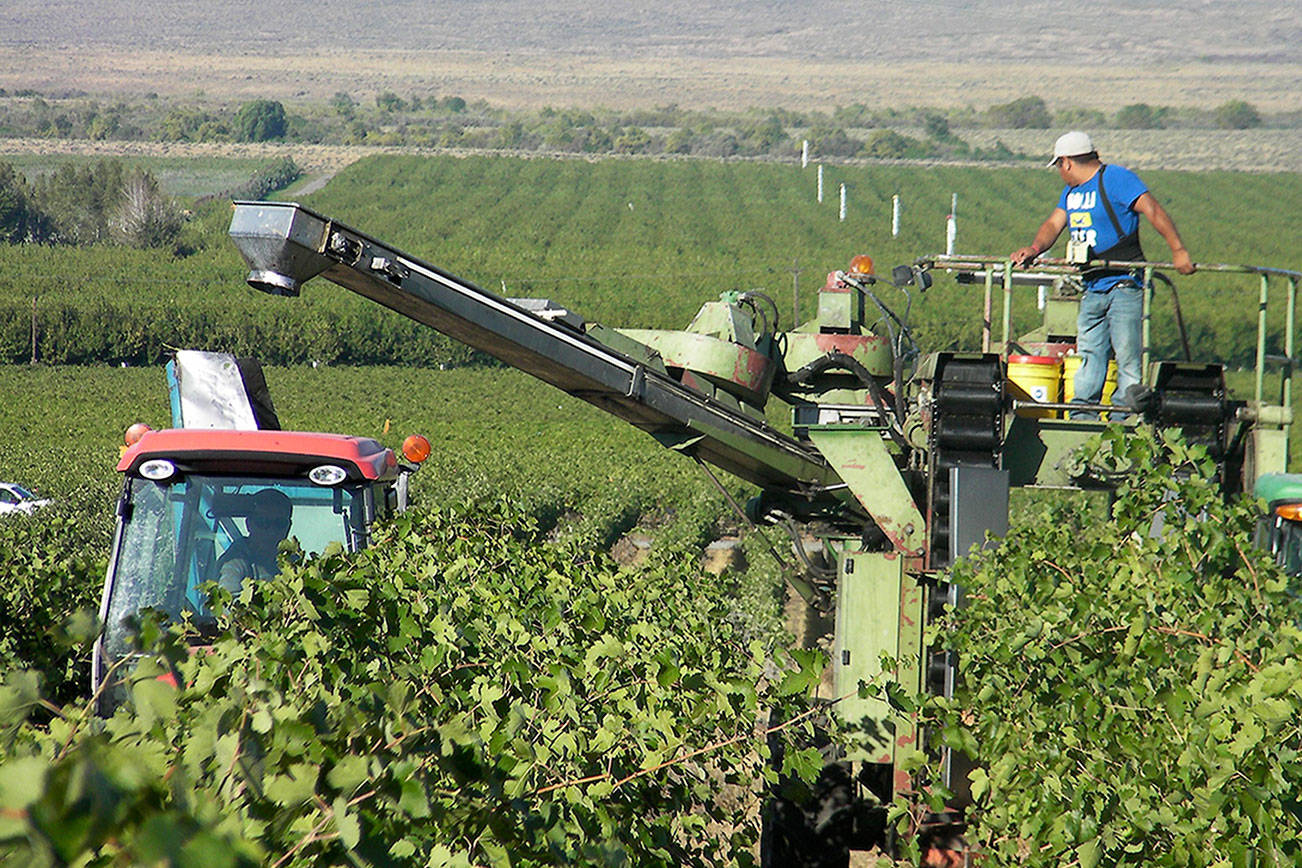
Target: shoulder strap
x,y
1107,205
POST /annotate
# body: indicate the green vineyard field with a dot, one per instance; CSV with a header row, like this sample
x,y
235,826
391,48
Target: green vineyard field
x,y
486,685
623,242
61,428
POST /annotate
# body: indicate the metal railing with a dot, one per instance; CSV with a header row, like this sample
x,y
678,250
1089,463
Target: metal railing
x,y
1047,270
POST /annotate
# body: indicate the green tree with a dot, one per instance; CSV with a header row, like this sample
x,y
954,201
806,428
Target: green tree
x,y
936,126
343,104
1027,113
261,120
1139,116
509,135
184,124
833,142
633,140
765,135
15,210
388,101
890,145
679,142
1236,115
80,201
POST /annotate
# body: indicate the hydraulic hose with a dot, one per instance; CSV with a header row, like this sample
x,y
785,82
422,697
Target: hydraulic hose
x,y
1179,316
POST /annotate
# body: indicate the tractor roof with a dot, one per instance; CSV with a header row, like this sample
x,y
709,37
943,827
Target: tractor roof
x,y
1275,487
272,453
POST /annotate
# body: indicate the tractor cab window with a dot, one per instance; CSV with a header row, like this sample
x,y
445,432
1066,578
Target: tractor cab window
x,y
183,533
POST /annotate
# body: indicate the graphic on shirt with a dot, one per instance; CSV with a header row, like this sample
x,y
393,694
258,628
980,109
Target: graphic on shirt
x,y
1082,199
1081,220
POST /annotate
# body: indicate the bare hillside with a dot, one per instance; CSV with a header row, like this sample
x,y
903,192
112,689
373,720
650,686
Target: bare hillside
x,y
866,31
798,53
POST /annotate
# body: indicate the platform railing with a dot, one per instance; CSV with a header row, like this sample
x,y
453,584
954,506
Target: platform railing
x,y
1046,270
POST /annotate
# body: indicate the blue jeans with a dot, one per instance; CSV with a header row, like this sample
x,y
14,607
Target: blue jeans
x,y
1109,324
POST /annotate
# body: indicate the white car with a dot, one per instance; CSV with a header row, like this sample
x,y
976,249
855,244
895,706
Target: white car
x,y
15,498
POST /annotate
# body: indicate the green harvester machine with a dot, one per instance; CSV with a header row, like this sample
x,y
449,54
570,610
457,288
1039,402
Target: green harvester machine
x,y
897,460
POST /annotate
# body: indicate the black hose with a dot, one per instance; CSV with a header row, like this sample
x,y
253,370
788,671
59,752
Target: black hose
x,y
754,293
813,569
1179,317
838,359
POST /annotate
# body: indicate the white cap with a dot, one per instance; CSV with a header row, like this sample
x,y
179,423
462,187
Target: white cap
x,y
1071,144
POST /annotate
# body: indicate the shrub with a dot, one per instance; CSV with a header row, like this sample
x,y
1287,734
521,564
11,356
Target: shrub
x,y
1237,115
260,121
1029,112
1139,116
890,145
1132,689
458,694
54,567
833,142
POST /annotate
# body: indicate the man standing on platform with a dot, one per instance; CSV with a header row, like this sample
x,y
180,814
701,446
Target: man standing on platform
x,y
1101,205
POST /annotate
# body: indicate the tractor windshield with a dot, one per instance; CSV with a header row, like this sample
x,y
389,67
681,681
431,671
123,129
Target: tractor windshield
x,y
181,534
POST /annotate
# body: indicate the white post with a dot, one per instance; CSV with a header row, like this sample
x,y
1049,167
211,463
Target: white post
x,y
895,215
843,203
950,232
820,182
953,204
804,153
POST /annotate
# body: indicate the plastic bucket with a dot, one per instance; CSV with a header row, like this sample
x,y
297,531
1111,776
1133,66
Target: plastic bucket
x,y
1038,376
1071,364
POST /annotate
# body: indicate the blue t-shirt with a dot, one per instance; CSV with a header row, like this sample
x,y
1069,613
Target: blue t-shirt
x,y
1088,220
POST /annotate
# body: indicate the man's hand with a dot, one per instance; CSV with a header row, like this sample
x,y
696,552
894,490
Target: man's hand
x,y
1025,255
1183,264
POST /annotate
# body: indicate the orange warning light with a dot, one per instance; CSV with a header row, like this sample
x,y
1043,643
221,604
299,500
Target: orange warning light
x,y
861,265
415,448
1290,511
135,432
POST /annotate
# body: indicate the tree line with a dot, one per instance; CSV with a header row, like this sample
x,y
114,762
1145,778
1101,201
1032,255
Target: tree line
x,y
107,202
100,202
431,120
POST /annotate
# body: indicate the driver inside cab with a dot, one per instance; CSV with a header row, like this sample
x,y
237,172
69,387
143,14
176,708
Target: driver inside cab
x,y
254,555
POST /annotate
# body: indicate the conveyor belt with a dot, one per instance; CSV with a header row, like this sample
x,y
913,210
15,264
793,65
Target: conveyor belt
x,y
966,430
286,244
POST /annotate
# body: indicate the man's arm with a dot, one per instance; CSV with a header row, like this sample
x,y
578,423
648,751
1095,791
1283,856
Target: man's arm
x,y
1165,226
1048,233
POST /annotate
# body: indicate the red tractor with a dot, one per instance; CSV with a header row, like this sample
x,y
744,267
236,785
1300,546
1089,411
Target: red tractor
x,y
212,505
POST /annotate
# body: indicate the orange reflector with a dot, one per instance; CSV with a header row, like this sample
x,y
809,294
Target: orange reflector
x,y
135,432
1290,511
861,264
415,448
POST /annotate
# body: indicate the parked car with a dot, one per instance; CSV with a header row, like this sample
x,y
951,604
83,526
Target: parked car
x,y
15,498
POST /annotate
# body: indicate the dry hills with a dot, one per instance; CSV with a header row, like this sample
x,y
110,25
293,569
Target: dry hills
x,y
728,55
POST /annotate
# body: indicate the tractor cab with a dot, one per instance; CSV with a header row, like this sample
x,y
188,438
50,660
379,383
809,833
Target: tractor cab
x,y
1280,528
211,507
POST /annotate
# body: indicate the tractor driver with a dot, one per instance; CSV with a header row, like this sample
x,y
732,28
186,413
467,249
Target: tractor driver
x,y
254,555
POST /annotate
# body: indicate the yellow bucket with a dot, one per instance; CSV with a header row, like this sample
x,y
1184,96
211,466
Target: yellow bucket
x,y
1071,364
1040,377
